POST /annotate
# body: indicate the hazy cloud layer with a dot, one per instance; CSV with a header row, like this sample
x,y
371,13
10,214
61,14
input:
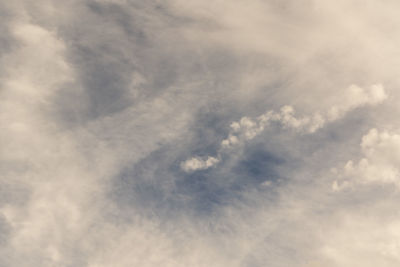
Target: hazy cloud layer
x,y
199,133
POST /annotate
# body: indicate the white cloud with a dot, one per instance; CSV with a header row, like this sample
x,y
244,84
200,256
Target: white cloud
x,y
196,163
379,164
357,97
247,128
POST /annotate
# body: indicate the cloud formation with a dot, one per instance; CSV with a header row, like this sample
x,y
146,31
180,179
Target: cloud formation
x,y
135,133
248,128
379,164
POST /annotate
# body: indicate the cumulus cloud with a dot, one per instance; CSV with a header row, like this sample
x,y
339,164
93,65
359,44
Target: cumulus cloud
x,y
379,164
247,128
198,164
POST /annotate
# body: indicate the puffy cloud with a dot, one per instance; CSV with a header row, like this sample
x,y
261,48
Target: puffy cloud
x,y
356,97
194,164
379,164
247,128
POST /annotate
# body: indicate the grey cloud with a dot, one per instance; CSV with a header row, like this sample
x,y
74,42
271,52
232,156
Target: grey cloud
x,y
102,100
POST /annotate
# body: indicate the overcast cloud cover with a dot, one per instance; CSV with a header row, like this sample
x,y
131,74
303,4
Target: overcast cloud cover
x,y
199,133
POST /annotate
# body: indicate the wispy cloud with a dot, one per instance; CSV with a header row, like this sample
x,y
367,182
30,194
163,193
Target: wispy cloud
x,y
199,133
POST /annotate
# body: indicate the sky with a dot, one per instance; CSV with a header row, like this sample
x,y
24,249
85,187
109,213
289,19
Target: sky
x,y
199,133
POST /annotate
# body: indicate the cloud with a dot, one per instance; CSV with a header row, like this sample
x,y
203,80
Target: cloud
x,y
379,164
43,205
194,164
101,100
357,97
248,128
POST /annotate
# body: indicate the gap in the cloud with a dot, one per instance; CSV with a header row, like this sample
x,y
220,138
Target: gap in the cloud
x,y
156,185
